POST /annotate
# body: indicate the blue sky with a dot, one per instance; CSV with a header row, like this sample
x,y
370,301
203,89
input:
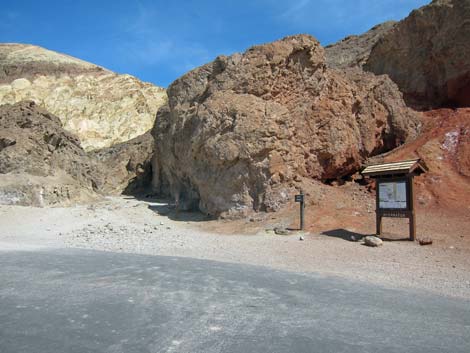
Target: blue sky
x,y
158,41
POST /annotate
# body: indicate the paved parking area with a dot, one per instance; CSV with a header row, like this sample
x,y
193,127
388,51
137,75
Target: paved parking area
x,y
89,301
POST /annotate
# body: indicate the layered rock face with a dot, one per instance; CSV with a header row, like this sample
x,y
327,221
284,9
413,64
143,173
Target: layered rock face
x,y
427,55
354,50
41,163
239,133
102,108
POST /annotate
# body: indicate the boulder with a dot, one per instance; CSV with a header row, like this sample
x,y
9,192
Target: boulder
x,y
239,133
427,53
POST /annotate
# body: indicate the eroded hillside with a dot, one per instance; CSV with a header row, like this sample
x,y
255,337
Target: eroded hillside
x,y
101,107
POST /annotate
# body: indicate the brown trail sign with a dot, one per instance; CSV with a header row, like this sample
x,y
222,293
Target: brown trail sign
x,y
300,198
394,191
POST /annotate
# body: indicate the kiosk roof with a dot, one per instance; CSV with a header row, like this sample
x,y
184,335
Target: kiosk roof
x,y
415,166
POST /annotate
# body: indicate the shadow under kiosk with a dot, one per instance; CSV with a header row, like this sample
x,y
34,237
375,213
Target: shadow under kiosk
x,y
394,191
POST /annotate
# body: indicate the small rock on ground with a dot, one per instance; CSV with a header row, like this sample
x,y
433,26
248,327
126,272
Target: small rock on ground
x,y
373,241
281,231
425,241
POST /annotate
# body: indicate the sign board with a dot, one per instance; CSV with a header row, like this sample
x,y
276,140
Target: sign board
x,y
300,198
394,192
392,195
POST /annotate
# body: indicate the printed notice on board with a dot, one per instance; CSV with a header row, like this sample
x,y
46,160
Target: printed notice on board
x,y
392,195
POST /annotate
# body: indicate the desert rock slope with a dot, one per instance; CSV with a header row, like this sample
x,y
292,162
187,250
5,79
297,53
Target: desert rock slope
x,y
240,133
40,163
354,50
445,146
101,107
427,55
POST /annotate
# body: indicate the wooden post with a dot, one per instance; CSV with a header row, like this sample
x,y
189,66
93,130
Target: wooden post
x,y
412,226
378,214
412,219
300,199
378,224
302,211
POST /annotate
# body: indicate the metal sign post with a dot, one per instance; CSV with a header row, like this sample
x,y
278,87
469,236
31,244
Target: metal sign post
x,y
300,199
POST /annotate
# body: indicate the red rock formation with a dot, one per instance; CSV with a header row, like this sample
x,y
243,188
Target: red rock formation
x,y
444,145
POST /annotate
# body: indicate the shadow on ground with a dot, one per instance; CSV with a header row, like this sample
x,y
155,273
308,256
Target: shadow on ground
x,y
166,207
344,234
172,213
354,236
394,237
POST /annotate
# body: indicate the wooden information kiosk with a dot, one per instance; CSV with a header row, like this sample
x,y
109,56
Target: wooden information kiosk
x,y
394,190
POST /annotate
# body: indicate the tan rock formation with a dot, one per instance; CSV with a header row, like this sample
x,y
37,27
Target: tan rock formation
x,y
354,50
41,163
427,55
102,108
239,133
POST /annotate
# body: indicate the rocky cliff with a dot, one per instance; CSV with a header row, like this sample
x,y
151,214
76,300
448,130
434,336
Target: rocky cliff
x,y
238,134
43,164
427,55
354,50
101,107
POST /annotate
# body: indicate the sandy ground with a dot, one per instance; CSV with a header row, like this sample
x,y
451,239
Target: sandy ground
x,y
125,224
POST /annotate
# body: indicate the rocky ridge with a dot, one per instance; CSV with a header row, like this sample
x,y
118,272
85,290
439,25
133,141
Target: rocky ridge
x,y
427,53
43,164
101,107
354,50
240,133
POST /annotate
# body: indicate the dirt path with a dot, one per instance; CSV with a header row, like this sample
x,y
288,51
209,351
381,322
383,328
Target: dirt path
x,y
133,226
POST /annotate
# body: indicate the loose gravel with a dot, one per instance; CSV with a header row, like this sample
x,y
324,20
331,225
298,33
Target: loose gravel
x,y
122,224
